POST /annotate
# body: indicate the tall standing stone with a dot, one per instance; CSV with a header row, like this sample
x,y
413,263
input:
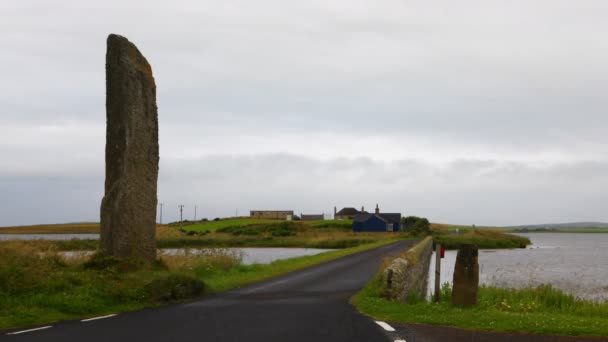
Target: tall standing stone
x,y
128,208
466,276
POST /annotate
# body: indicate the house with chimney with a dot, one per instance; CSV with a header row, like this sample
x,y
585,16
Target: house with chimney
x,y
377,222
347,213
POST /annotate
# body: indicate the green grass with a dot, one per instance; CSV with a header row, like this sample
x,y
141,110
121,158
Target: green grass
x,y
484,239
245,233
212,226
38,286
541,310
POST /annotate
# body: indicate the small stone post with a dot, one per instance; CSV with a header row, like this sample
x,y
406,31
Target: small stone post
x,y
437,272
466,277
128,208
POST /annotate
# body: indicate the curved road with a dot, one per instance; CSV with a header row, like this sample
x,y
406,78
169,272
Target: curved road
x,y
307,305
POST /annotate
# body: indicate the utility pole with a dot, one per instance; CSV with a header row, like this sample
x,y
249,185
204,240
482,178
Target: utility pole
x,y
161,213
195,212
181,211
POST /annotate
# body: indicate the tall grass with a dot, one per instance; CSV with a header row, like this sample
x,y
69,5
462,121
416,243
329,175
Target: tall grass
x,y
41,286
483,239
542,309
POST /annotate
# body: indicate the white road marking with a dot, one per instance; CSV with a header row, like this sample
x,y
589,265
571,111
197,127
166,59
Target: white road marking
x,y
400,341
96,318
385,326
29,330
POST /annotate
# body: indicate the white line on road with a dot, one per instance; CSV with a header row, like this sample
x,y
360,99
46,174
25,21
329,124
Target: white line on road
x,y
385,326
29,330
96,318
400,341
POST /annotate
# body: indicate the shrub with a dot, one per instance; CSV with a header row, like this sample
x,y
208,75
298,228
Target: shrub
x,y
416,225
174,287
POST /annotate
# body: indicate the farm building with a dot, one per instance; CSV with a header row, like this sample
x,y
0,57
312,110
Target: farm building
x,y
377,222
272,214
347,213
312,217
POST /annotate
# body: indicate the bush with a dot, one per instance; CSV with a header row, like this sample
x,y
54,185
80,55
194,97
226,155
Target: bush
x,y
174,287
416,225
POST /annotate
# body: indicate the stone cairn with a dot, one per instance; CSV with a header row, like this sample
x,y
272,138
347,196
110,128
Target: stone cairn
x,y
128,208
466,277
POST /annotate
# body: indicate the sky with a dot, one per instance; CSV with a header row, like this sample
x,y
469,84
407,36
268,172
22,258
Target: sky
x,y
467,112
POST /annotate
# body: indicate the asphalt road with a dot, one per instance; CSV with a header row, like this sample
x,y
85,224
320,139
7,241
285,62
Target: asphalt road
x,y
307,305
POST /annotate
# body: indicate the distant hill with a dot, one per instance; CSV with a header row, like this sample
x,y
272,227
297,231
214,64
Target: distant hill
x,y
571,225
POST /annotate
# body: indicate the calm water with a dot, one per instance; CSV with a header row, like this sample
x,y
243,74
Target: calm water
x,y
47,236
256,255
248,255
575,263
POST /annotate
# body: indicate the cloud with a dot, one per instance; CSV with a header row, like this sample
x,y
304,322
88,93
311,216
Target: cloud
x,y
413,102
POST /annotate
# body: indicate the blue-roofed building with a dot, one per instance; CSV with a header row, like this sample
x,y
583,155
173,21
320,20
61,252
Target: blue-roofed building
x,y
377,222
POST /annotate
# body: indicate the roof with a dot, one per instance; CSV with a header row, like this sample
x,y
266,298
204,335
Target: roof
x,y
391,217
365,217
348,211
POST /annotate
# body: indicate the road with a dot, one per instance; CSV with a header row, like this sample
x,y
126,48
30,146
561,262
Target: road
x,y
306,305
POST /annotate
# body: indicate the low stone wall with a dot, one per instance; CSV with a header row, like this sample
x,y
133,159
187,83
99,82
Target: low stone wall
x,y
408,274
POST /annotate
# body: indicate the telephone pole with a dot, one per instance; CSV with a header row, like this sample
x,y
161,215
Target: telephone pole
x,y
194,212
161,213
181,212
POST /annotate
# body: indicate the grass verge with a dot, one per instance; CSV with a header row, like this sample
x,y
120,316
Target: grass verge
x,y
39,286
484,239
539,310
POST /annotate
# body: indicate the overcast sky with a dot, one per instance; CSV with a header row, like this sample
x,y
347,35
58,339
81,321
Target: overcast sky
x,y
470,112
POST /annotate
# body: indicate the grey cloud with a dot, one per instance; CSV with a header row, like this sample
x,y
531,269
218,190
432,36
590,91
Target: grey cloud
x,y
464,191
486,101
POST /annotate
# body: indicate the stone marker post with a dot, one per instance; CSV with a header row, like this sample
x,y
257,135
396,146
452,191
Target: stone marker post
x,y
466,277
437,294
128,208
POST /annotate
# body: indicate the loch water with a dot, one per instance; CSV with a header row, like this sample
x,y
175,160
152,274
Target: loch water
x,y
576,263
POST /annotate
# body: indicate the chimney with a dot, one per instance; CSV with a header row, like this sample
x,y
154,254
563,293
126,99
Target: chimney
x,y
362,209
335,211
377,209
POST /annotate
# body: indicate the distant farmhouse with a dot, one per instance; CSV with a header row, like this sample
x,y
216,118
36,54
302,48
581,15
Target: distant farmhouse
x,y
312,217
377,222
272,214
347,213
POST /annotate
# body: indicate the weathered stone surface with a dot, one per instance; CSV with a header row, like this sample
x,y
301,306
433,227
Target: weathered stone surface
x,y
466,277
404,278
128,208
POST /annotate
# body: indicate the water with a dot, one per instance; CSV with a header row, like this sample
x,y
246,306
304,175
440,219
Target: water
x,y
47,236
574,263
258,255
249,256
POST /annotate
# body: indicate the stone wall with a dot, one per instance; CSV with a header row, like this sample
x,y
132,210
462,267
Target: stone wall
x,y
408,274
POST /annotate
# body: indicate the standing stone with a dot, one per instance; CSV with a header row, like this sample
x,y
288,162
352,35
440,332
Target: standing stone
x,y
128,208
466,277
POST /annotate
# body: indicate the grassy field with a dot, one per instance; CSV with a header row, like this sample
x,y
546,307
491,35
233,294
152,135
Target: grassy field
x,y
245,233
486,239
187,226
39,287
66,228
540,310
